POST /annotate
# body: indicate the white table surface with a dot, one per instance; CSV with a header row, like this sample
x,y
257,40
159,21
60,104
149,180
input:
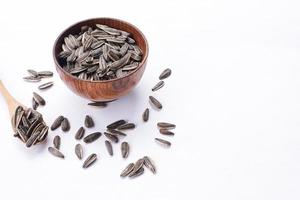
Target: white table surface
x,y
234,95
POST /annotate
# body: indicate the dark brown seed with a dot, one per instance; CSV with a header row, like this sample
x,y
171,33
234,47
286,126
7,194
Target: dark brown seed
x,y
39,99
45,85
90,160
111,137
57,123
79,151
109,147
159,85
88,122
137,173
65,125
45,74
98,104
92,137
155,102
56,142
166,125
126,126
137,166
166,132
116,132
164,142
55,152
165,74
80,133
116,124
125,149
149,164
146,115
127,170
35,104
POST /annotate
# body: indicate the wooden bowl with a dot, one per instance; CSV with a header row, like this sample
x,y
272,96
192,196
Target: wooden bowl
x,y
107,90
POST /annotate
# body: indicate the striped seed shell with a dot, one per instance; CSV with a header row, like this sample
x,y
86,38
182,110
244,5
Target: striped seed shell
x,y
40,100
137,173
45,85
109,147
56,152
56,142
80,133
35,104
149,164
98,104
45,74
166,125
92,137
126,126
166,132
155,102
32,72
111,137
165,74
90,160
116,132
125,149
146,115
159,85
128,169
79,151
57,122
163,142
65,125
32,79
116,124
88,122
137,166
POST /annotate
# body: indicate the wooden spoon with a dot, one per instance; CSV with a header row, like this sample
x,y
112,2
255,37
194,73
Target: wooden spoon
x,y
12,104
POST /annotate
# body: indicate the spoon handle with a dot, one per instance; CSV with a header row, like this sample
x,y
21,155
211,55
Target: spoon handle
x,y
10,101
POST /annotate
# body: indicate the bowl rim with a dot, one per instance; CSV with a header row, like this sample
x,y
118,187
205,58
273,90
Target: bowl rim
x,y
143,62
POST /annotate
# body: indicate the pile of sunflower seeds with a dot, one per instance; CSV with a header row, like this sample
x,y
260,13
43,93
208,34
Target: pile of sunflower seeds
x,y
100,53
29,126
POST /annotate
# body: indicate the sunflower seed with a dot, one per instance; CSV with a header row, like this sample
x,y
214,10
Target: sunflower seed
x,y
56,152
125,149
109,147
137,166
128,169
32,79
146,115
39,99
92,137
98,104
79,151
56,142
137,173
163,142
57,123
126,126
166,125
32,72
116,132
88,122
45,85
90,160
80,133
35,104
166,132
159,85
111,137
45,74
149,164
65,125
165,74
155,102
116,124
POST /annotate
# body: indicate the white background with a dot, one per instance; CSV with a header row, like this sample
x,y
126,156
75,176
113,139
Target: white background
x,y
234,95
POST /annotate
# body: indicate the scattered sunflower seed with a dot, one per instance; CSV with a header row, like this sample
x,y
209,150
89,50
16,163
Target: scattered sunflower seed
x,y
90,160
57,123
166,125
55,152
166,132
56,142
35,104
111,137
146,115
126,126
40,100
116,124
88,122
125,149
45,85
65,125
92,137
79,151
98,104
165,74
149,164
80,133
137,173
128,169
163,142
109,147
159,85
155,102
137,166
116,132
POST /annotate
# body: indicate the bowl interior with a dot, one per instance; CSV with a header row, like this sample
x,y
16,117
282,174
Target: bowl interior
x,y
136,34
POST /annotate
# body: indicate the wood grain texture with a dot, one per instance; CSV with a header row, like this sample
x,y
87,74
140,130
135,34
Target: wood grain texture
x,y
102,90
